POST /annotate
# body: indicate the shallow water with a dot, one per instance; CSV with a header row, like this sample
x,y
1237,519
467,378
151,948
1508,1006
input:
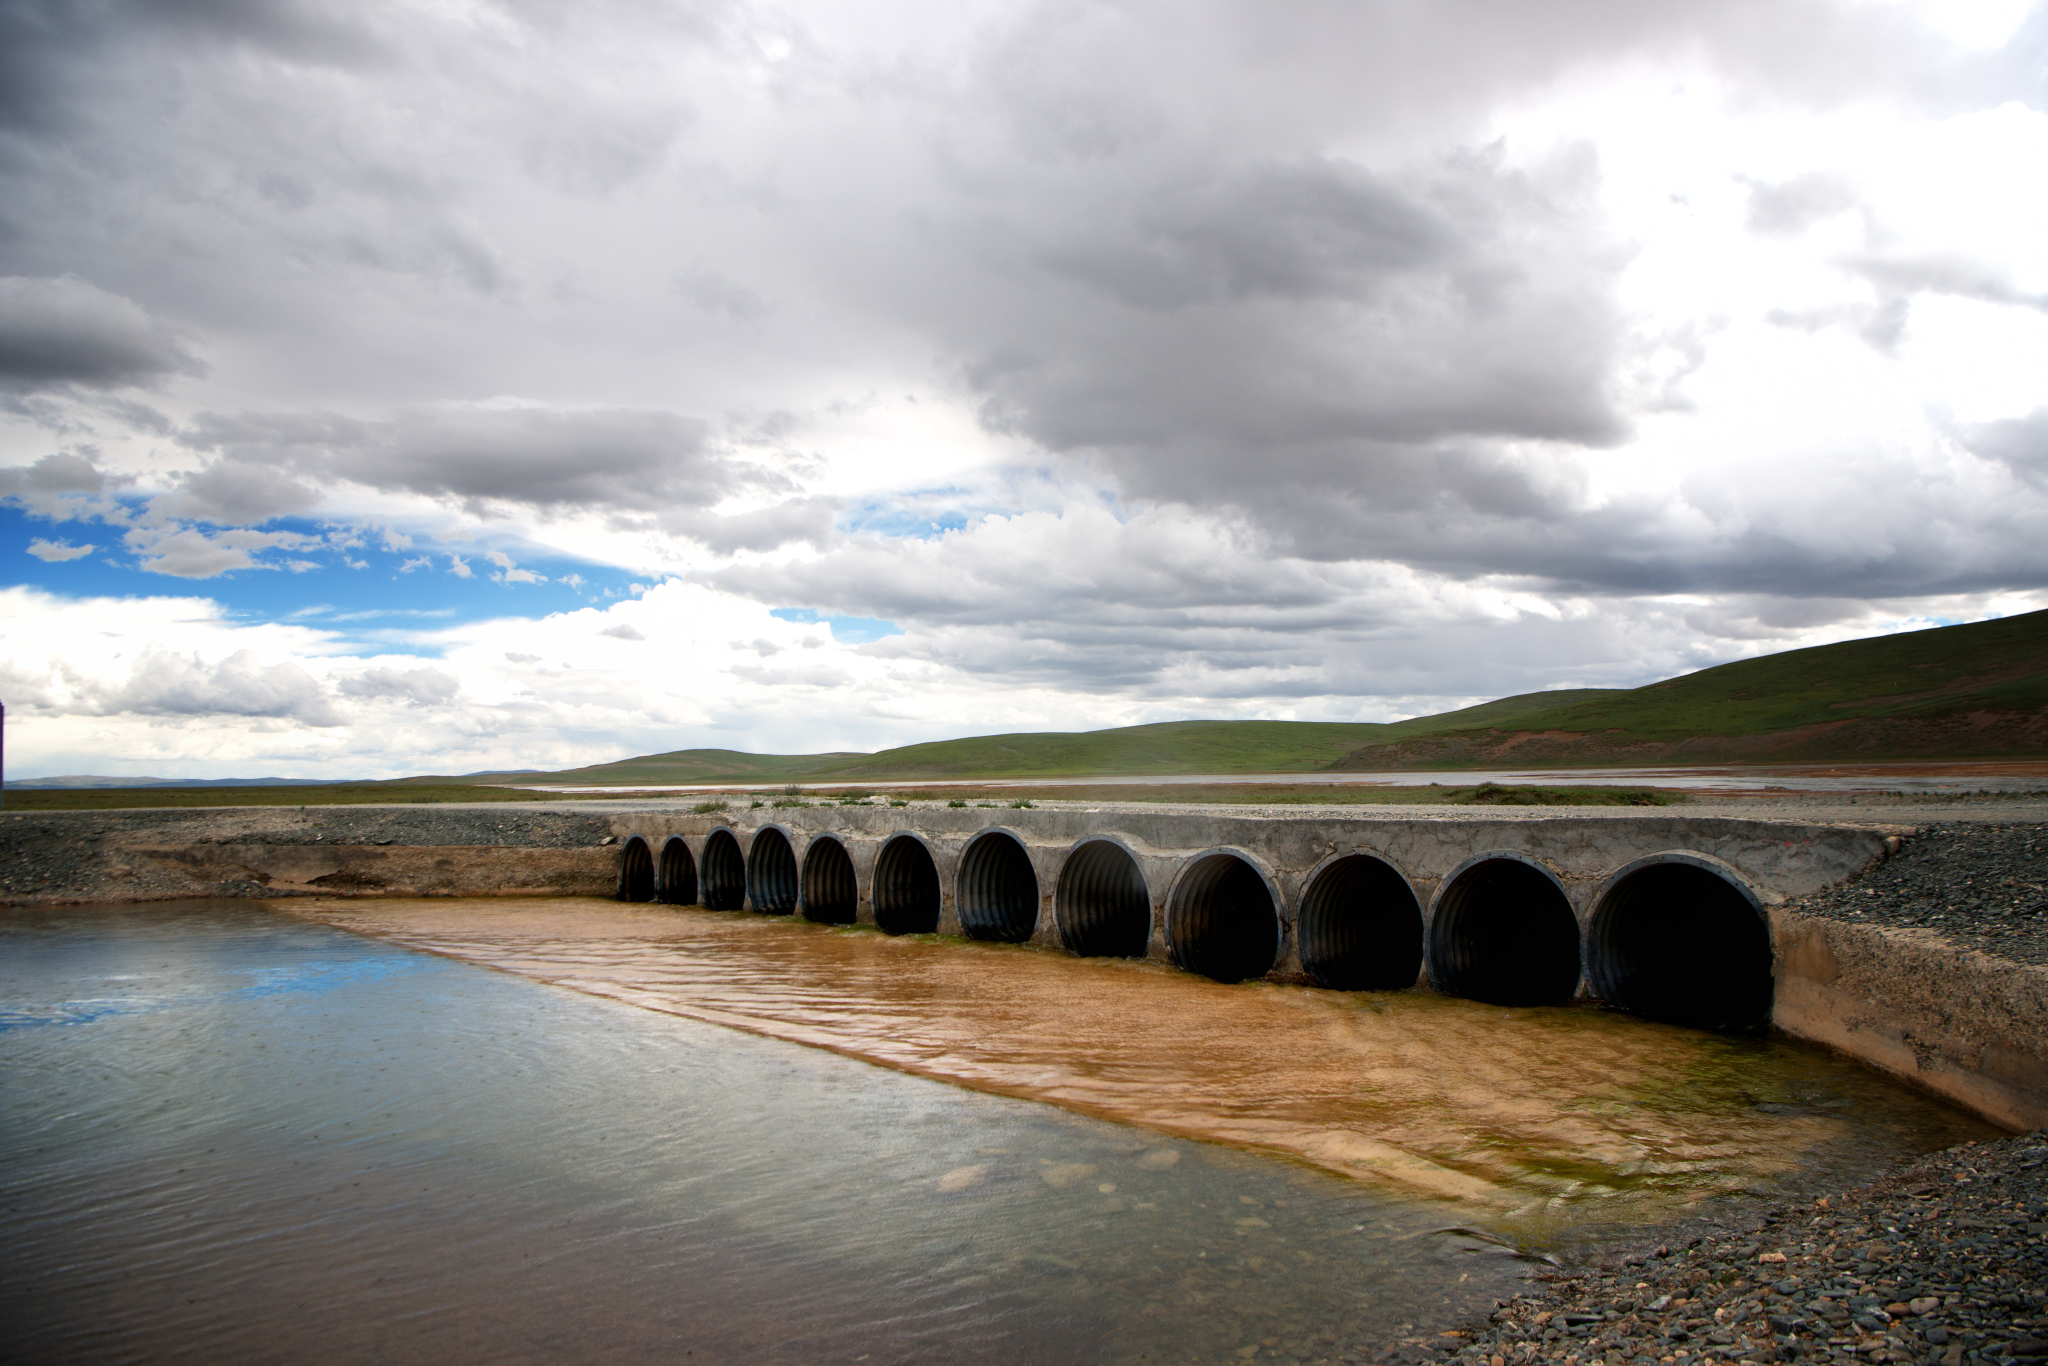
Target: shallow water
x,y
1548,1127
232,1135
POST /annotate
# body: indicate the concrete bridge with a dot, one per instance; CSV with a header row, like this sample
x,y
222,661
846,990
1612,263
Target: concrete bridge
x,y
1661,914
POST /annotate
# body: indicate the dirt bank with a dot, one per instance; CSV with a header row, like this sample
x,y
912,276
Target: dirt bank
x,y
154,855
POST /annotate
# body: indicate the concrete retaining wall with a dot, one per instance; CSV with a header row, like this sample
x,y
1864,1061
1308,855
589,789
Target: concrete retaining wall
x,y
399,870
1963,1025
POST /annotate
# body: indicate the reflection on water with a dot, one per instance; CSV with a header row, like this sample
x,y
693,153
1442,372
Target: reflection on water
x,y
231,1135
1546,1126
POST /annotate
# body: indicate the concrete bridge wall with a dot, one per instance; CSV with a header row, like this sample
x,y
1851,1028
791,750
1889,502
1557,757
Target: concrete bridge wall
x,y
1238,896
1674,917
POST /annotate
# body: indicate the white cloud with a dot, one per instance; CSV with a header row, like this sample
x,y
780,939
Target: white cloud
x,y
58,551
509,570
1133,360
139,684
415,687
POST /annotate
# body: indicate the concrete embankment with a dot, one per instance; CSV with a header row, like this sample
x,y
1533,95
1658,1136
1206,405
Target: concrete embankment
x,y
1699,918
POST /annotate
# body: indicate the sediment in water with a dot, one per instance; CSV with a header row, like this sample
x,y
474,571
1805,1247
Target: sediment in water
x,y
1548,1125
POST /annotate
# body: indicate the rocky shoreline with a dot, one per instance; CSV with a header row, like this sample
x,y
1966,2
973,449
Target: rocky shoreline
x,y
1943,1261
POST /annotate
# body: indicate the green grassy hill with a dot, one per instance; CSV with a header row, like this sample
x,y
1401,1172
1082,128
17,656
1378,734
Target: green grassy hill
x,y
1173,747
1949,692
683,766
1979,690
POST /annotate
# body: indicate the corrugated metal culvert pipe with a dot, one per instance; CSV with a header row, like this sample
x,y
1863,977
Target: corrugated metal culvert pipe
x,y
725,872
906,887
636,871
1675,939
1361,927
1222,921
831,896
1101,905
1504,933
998,889
678,881
771,873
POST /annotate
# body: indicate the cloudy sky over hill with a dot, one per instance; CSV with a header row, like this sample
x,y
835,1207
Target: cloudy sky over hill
x,y
396,385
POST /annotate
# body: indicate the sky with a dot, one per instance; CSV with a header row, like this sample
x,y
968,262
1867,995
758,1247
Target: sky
x,y
400,386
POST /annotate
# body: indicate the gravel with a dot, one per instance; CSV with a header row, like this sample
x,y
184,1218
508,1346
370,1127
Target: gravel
x,y
1981,885
1942,1261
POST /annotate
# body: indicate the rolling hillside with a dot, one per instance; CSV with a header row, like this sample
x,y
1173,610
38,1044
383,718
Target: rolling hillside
x,y
1173,747
1949,692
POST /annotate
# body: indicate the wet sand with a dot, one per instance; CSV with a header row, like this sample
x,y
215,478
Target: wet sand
x,y
1551,1125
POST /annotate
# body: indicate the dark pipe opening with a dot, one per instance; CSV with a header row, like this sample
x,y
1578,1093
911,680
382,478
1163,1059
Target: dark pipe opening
x,y
1505,934
678,880
725,872
1101,905
831,894
771,874
1222,922
1677,942
636,871
1361,927
906,887
998,895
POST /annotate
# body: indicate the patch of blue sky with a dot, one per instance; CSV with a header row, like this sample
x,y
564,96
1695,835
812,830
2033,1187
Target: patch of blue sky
x,y
846,630
909,517
338,577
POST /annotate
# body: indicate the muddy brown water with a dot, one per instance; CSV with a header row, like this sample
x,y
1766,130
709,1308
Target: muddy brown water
x,y
1546,1125
318,1130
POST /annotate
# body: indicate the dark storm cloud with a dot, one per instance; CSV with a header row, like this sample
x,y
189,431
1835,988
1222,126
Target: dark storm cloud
x,y
44,44
1260,263
1287,309
53,474
646,467
68,332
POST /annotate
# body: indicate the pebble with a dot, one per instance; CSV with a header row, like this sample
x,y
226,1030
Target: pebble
x,y
1984,886
1940,1262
